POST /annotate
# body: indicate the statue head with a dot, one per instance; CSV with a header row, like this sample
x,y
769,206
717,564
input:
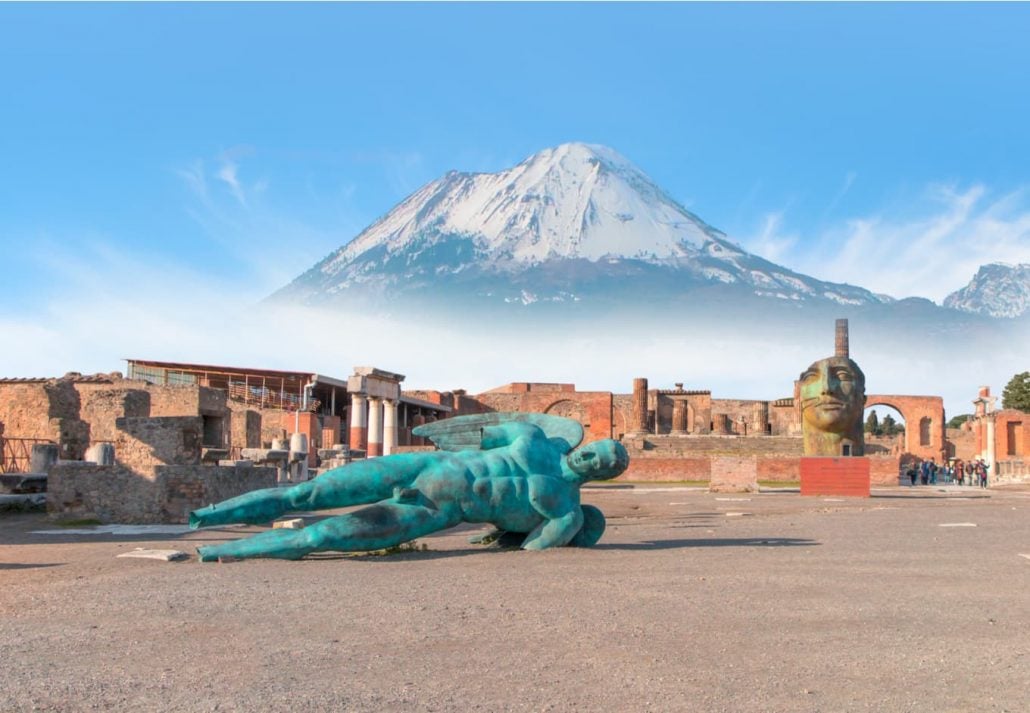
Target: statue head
x,y
832,393
600,460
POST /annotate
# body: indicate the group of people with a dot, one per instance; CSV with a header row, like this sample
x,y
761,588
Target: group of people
x,y
927,472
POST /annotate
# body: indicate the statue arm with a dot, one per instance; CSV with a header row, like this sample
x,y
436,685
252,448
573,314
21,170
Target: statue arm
x,y
563,515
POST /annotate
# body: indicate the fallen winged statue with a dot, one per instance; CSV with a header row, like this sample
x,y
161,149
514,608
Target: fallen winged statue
x,y
519,472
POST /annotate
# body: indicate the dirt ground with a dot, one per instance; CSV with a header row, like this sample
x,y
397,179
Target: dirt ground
x,y
691,602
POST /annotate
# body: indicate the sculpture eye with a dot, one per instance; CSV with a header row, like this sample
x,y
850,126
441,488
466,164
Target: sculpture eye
x,y
809,375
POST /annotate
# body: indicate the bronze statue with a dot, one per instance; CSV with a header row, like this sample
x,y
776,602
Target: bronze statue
x,y
519,472
832,393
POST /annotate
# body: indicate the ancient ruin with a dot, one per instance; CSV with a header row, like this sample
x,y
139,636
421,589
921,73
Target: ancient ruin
x,y
525,477
172,437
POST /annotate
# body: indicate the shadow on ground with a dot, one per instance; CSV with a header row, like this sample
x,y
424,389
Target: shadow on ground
x,y
742,542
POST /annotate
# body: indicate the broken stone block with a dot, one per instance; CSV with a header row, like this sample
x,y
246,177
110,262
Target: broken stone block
x,y
213,455
296,523
101,454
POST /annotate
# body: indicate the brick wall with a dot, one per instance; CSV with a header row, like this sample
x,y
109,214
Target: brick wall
x,y
668,470
665,446
884,470
593,409
734,474
25,411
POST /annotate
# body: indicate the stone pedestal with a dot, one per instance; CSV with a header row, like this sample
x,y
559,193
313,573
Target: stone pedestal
x,y
847,477
43,457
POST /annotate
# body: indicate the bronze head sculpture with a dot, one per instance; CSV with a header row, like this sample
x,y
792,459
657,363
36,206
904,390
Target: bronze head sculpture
x,y
832,393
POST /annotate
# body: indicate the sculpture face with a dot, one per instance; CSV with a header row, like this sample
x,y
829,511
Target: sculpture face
x,y
832,395
600,460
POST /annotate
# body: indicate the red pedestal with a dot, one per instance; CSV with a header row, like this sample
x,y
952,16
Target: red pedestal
x,y
835,476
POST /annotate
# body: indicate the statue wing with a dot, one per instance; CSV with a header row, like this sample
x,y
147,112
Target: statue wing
x,y
465,433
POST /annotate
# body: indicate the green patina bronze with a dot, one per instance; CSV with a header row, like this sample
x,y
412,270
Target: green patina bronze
x,y
519,472
832,395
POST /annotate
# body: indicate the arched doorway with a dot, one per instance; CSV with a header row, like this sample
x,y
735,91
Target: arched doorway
x,y
884,430
924,420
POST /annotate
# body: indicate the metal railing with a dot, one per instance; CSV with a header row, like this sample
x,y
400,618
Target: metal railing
x,y
263,397
16,453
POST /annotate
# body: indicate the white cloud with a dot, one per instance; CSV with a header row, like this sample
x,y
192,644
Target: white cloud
x,y
931,252
227,173
772,242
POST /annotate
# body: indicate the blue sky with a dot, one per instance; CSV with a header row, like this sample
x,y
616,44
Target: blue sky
x,y
154,151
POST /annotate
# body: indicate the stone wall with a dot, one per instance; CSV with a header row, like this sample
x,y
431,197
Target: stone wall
x,y
961,443
25,411
143,443
686,446
593,409
246,425
661,404
164,494
187,400
784,417
101,405
884,470
46,410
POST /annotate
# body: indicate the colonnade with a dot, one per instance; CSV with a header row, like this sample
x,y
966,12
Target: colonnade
x,y
373,425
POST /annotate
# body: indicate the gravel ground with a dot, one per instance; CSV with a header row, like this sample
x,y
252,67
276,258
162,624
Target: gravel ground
x,y
691,602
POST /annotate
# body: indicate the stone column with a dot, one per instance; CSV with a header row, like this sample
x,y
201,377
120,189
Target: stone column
x,y
358,430
375,427
679,417
638,424
389,426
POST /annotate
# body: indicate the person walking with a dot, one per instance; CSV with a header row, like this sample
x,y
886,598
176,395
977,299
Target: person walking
x,y
911,473
959,473
970,470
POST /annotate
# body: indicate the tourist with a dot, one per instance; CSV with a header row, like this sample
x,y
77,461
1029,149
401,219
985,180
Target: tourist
x,y
970,469
959,474
911,473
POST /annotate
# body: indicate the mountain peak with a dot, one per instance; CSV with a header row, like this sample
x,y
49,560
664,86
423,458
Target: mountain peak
x,y
564,215
997,289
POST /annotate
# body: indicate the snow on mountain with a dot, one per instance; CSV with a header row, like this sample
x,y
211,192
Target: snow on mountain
x,y
997,290
547,228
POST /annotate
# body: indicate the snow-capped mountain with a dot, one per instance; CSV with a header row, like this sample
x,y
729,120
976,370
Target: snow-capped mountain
x,y
574,223
997,290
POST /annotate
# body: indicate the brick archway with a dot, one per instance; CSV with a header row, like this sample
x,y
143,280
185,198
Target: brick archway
x,y
924,422
569,409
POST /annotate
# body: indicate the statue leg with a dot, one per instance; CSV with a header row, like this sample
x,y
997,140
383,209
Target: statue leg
x,y
384,524
358,483
593,528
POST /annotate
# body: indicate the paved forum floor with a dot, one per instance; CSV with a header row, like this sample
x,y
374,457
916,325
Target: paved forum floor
x,y
914,600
